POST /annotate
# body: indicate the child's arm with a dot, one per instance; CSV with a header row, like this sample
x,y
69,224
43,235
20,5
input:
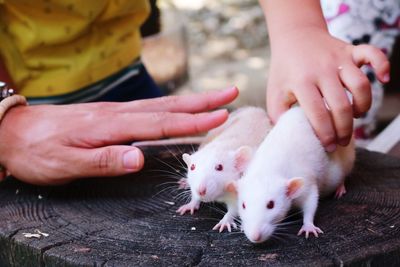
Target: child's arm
x,y
308,64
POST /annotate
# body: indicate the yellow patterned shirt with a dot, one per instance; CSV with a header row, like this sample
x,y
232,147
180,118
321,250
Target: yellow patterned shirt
x,y
53,47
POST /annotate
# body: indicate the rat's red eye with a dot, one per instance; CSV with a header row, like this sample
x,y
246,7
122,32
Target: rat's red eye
x,y
219,167
270,204
243,205
192,167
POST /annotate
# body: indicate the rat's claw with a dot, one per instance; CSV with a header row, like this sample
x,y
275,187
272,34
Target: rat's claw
x,y
219,226
226,222
310,228
181,210
192,207
340,191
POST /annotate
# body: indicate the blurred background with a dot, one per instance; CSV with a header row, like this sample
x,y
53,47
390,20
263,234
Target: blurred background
x,y
209,44
202,45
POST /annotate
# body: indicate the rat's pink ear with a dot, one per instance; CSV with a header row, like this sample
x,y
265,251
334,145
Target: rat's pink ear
x,y
293,187
231,187
242,157
186,159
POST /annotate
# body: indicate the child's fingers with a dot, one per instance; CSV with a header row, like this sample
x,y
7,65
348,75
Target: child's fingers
x,y
278,102
313,105
367,54
358,84
340,107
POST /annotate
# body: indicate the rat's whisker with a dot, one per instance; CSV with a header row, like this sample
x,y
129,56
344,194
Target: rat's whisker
x,y
165,163
173,154
184,197
286,235
289,223
183,193
275,237
292,215
217,209
166,189
174,183
193,149
170,174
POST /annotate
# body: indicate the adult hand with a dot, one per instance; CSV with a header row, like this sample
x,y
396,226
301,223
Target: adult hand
x,y
317,69
50,144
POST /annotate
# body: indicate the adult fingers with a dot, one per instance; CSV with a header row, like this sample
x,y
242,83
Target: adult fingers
x,y
340,108
191,103
314,107
153,125
106,161
367,54
358,84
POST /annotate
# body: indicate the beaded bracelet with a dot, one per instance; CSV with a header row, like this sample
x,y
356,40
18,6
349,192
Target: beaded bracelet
x,y
8,99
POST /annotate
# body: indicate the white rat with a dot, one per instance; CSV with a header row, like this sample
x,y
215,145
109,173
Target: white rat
x,y
222,158
289,168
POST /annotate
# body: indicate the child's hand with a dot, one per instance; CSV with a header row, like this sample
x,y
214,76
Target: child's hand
x,y
309,66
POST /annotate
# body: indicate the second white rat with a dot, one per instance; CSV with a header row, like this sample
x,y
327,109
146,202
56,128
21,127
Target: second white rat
x,y
290,168
222,158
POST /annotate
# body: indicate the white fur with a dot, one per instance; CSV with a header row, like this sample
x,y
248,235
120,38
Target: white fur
x,y
290,150
234,141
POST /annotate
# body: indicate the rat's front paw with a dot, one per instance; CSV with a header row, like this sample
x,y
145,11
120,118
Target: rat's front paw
x,y
310,228
227,222
191,206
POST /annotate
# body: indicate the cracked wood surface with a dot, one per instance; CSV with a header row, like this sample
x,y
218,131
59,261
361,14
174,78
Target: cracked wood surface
x,y
131,221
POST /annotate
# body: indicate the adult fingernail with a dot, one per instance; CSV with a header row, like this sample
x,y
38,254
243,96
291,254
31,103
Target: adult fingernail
x,y
386,78
131,159
330,148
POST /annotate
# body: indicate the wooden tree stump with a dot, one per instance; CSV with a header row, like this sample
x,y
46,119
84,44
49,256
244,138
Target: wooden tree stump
x,y
131,221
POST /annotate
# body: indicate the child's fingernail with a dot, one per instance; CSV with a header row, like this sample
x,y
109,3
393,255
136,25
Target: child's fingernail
x,y
386,78
330,148
343,142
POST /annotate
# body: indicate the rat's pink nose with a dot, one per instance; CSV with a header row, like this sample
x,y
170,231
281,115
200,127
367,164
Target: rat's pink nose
x,y
256,237
202,191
